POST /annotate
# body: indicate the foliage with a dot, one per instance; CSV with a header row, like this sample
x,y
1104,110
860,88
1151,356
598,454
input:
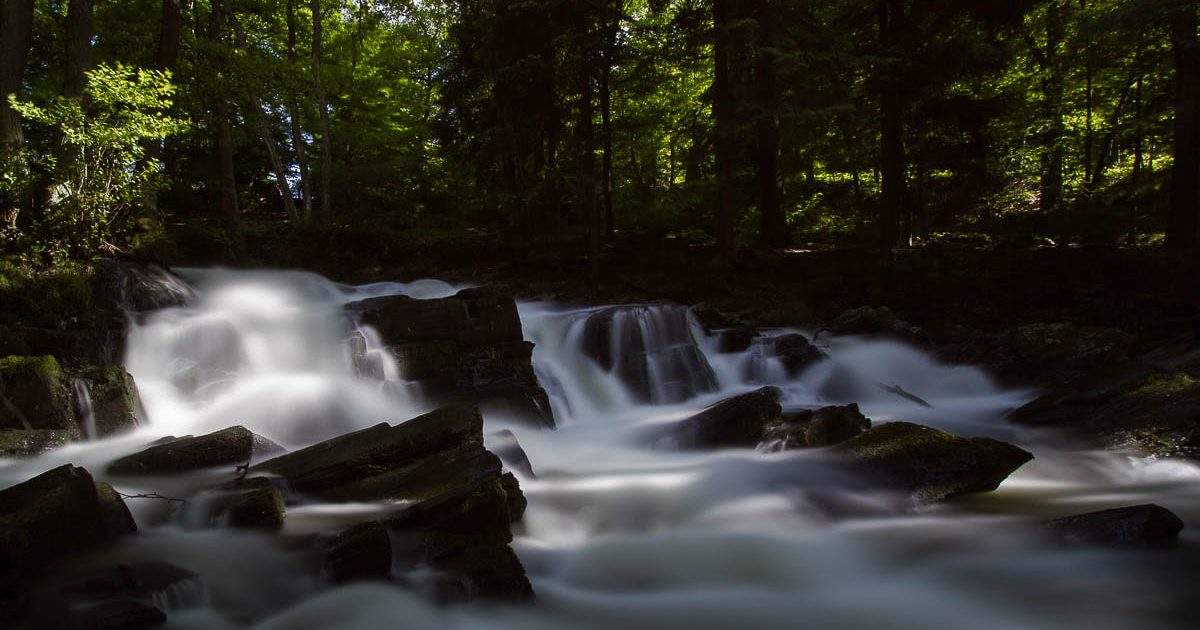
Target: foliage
x,y
100,174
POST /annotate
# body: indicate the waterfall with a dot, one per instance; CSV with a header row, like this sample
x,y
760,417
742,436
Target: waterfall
x,y
84,410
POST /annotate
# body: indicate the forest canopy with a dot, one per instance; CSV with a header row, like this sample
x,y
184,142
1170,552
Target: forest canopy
x,y
757,122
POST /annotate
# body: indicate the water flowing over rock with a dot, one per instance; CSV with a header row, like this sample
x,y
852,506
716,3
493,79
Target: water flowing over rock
x,y
130,286
1135,526
652,349
505,445
796,353
929,464
811,428
253,503
116,405
465,347
228,447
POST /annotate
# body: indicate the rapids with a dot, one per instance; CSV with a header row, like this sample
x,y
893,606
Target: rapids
x,y
621,534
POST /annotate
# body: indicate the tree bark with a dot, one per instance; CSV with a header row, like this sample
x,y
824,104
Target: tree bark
x,y
1183,222
227,201
78,43
774,232
299,145
891,127
723,114
1051,185
170,27
323,109
16,36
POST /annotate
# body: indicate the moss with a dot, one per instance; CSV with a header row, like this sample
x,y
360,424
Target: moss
x,y
44,367
1163,385
24,443
44,296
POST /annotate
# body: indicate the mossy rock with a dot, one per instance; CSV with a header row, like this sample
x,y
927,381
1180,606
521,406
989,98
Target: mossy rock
x,y
228,447
35,394
115,402
929,464
29,442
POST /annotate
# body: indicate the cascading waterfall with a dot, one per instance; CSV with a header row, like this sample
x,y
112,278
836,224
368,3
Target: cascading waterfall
x,y
620,534
84,409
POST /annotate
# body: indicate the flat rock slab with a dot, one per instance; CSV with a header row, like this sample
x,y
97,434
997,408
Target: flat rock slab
x,y
1138,526
228,447
929,464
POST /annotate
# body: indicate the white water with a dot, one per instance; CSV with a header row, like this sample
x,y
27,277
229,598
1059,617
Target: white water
x,y
620,534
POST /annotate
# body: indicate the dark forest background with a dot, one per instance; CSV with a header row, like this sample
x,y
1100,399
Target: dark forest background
x,y
209,124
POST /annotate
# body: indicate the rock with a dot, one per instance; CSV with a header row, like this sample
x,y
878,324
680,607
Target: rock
x,y
59,514
162,584
29,442
796,353
651,349
1139,526
733,340
34,394
826,426
493,573
412,460
116,406
253,503
228,447
504,444
867,320
363,552
929,464
514,498
131,286
739,421
117,614
467,347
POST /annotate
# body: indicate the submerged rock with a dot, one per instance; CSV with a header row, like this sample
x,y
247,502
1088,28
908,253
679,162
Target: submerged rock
x,y
228,447
467,347
58,514
253,503
161,584
929,464
1135,526
116,614
812,428
733,422
363,552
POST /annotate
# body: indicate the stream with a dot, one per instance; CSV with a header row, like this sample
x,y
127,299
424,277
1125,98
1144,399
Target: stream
x,y
621,532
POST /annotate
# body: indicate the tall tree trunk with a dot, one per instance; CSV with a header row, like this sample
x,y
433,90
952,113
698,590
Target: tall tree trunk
x,y
773,230
612,25
299,145
1183,222
892,164
170,27
227,201
1052,96
723,114
16,36
323,109
78,53
1139,135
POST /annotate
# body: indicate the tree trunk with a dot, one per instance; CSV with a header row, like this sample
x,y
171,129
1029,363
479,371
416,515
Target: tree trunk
x,y
323,109
723,113
299,145
78,57
170,26
773,228
1183,221
16,36
891,128
610,44
1052,95
227,201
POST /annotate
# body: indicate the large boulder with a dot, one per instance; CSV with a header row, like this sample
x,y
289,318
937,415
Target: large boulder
x,y
253,503
651,349
131,286
363,552
30,442
796,352
228,447
467,347
35,394
739,421
1139,526
931,465
812,428
115,404
56,515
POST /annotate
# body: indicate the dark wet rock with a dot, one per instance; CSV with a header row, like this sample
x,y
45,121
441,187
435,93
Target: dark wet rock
x,y
1139,526
34,394
127,285
228,447
739,421
363,552
364,363
513,496
254,503
636,342
929,464
163,584
813,428
56,515
867,320
796,353
733,340
467,347
504,444
493,573
30,442
117,614
116,405
411,460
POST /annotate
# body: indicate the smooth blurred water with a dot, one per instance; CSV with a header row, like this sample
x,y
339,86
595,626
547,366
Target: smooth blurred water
x,y
619,533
